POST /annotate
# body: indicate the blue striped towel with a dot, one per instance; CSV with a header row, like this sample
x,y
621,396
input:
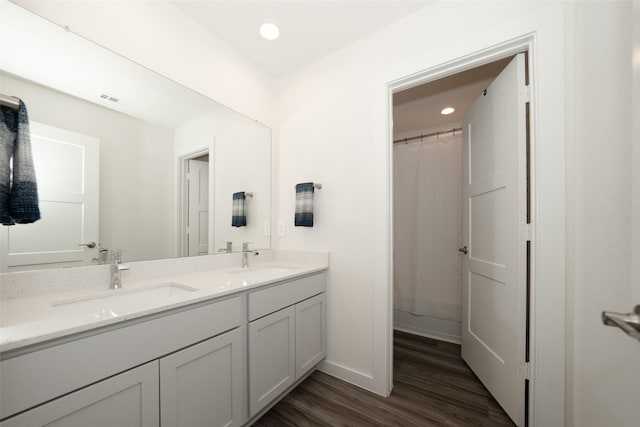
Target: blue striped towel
x,y
238,215
304,205
18,188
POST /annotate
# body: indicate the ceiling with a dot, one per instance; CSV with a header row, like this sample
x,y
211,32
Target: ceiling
x,y
309,30
419,108
237,22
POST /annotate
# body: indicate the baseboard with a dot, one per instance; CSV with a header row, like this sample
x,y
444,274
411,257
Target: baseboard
x,y
359,379
427,326
427,333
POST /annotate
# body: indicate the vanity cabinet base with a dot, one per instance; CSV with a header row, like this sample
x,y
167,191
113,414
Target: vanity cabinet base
x,y
188,367
127,399
283,347
31,379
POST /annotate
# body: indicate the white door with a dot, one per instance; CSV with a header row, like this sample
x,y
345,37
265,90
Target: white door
x,y
198,204
494,231
67,172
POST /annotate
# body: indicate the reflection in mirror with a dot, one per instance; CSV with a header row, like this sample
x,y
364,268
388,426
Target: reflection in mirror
x,y
125,158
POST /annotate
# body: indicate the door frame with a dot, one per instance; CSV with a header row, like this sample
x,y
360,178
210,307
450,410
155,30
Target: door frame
x,y
183,198
548,200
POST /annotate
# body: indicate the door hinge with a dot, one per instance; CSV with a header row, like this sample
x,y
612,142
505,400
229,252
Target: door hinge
x,y
526,232
525,370
526,92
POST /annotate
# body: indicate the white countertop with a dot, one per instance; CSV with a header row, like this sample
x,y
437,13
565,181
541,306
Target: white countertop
x,y
39,316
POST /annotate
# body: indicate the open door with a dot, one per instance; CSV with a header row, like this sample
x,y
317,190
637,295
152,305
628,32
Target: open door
x,y
67,171
198,206
495,236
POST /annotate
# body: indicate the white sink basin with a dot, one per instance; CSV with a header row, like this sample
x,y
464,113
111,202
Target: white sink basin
x,y
117,302
264,270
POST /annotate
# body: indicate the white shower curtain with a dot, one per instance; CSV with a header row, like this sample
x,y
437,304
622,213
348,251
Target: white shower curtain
x,y
428,227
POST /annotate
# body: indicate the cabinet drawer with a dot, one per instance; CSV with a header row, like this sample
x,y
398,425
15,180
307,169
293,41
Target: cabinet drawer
x,y
30,379
272,299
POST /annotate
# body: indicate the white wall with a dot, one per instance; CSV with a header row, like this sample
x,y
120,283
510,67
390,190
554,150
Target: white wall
x,y
161,37
137,211
635,243
331,128
603,368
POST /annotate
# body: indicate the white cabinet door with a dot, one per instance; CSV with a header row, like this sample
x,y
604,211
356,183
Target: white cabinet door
x,y
310,333
271,357
129,399
202,384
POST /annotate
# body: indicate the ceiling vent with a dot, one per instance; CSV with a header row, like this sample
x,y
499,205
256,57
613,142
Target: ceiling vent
x,y
116,100
109,98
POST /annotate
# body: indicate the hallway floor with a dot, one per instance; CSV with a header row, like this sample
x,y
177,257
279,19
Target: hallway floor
x,y
432,387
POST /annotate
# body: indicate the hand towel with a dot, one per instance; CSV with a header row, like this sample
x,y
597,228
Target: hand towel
x,y
18,188
238,215
304,205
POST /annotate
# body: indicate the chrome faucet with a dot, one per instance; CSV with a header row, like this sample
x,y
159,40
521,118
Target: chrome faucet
x,y
245,254
103,255
116,268
228,248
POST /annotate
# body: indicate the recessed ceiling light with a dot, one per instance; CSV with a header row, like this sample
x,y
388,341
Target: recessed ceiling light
x,y
448,110
269,31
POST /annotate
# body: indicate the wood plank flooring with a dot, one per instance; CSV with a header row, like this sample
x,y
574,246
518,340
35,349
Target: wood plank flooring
x,y
432,387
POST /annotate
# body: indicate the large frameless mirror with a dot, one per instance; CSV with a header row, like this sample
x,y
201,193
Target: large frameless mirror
x,y
126,158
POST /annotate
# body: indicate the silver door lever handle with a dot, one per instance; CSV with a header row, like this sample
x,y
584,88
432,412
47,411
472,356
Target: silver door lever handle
x,y
628,322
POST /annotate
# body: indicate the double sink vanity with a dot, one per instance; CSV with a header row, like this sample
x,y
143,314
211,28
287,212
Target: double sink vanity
x,y
184,342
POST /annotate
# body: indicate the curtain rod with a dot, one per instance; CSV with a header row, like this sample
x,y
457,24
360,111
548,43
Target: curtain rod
x,y
9,101
427,135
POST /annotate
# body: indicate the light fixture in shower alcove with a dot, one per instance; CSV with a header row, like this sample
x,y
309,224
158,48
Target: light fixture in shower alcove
x,y
447,110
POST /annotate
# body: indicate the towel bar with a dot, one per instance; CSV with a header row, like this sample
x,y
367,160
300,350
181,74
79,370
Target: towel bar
x,y
316,185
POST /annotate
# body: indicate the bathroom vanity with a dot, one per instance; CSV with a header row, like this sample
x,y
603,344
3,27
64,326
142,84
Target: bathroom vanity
x,y
188,341
203,346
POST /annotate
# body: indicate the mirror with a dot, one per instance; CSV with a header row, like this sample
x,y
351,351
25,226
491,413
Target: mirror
x,y
125,158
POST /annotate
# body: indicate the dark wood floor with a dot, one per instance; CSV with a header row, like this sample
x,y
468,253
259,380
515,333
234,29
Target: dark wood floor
x,y
432,387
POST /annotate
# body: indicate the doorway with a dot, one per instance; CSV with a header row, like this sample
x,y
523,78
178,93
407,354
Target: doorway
x,y
427,192
477,293
194,204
